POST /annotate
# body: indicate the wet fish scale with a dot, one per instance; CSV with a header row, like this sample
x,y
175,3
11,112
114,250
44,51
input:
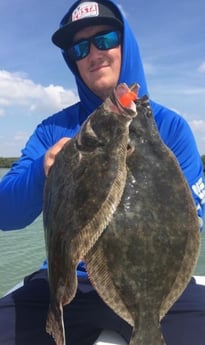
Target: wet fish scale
x,y
82,192
150,247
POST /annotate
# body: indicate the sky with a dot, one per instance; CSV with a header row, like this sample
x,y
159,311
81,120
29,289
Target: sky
x,y
35,81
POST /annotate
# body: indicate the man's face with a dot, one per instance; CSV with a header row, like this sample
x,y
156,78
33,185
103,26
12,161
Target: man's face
x,y
100,69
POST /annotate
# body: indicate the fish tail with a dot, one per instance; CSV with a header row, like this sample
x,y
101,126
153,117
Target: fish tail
x,y
151,336
55,325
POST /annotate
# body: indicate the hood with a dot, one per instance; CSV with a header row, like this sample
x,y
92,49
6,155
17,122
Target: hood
x,y
131,69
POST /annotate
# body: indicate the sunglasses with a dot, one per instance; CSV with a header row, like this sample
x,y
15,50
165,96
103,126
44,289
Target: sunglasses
x,y
102,41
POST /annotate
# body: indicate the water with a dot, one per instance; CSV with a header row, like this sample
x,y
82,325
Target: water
x,y
23,251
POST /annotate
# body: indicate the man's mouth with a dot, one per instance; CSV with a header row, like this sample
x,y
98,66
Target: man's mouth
x,y
98,67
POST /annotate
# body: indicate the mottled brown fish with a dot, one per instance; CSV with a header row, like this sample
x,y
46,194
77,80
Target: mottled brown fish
x,y
145,257
82,191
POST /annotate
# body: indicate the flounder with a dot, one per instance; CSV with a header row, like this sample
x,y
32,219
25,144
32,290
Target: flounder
x,y
116,198
145,257
82,191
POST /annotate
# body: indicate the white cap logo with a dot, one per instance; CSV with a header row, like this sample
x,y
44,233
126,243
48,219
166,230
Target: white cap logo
x,y
85,10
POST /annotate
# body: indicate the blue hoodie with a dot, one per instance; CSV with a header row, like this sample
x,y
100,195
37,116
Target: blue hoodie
x,y
21,190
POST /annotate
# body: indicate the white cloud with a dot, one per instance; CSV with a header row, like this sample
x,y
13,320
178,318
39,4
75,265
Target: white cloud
x,y
202,67
21,136
16,89
11,145
198,125
20,96
149,68
175,89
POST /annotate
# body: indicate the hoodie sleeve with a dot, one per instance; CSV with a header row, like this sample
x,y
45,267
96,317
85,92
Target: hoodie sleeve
x,y
177,135
21,189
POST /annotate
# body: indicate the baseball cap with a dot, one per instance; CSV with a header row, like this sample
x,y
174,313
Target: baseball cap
x,y
84,14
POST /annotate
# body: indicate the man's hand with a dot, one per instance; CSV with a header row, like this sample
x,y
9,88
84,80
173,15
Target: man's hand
x,y
50,155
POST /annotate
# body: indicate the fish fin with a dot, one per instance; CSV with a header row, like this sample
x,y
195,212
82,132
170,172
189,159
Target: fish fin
x,y
55,325
185,273
102,281
62,292
147,335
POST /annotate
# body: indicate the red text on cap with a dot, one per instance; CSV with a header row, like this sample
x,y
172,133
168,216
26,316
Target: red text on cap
x,y
86,9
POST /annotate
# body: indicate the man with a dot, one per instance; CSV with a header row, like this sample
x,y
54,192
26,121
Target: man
x,y
101,51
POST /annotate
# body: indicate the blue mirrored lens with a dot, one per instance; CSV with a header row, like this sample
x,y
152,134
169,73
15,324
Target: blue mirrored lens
x,y
102,41
107,41
80,50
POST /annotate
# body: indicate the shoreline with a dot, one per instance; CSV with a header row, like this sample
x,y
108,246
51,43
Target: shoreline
x,y
6,162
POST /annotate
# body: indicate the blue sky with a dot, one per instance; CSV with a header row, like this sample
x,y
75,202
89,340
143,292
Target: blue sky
x,y
35,82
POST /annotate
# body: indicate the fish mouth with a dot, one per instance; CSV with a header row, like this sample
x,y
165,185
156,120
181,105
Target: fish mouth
x,y
130,148
121,98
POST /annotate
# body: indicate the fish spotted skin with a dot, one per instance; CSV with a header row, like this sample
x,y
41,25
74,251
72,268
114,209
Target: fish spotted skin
x,y
82,191
145,257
